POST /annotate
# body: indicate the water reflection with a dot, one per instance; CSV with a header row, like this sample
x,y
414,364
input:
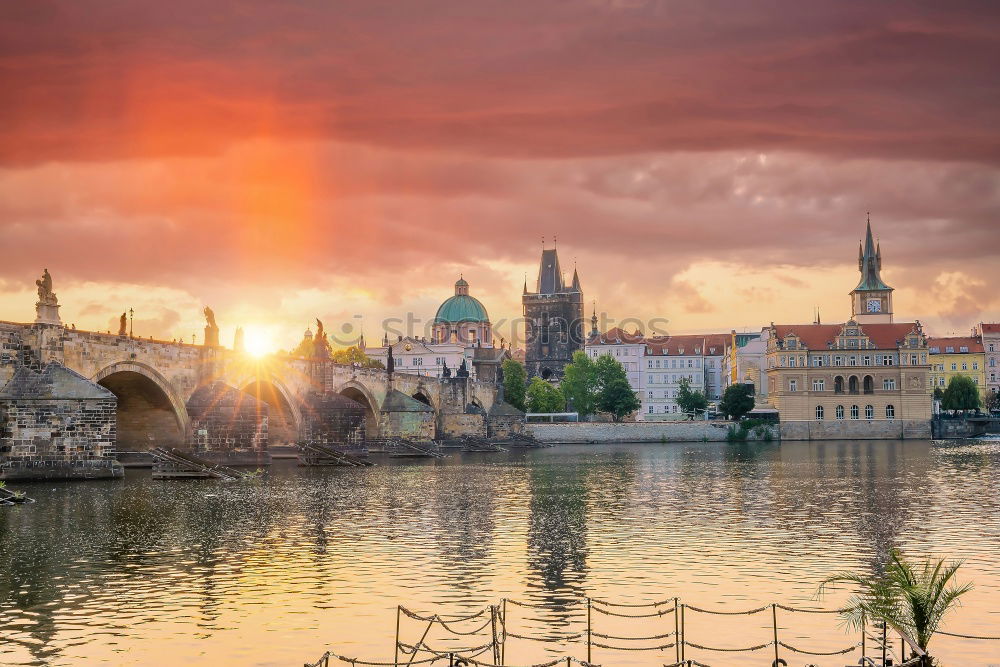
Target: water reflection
x,y
133,571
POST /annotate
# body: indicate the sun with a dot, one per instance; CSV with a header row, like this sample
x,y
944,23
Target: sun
x,y
258,343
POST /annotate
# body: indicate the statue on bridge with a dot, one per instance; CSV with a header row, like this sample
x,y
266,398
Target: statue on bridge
x,y
321,346
211,329
45,293
47,307
122,325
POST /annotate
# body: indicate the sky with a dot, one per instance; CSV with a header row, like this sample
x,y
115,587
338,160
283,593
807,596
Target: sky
x,y
710,163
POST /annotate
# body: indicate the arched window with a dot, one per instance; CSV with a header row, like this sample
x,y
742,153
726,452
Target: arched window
x,y
852,384
819,412
854,412
869,412
838,384
890,412
869,384
840,412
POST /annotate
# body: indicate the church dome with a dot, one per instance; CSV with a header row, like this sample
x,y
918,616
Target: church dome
x,y
461,307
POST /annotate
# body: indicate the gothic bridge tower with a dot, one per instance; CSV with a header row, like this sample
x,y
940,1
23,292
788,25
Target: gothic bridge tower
x,y
554,321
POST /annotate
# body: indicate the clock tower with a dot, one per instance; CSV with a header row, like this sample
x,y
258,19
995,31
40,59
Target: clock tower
x,y
871,300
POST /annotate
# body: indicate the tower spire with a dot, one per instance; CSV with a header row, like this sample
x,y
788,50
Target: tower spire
x,y
593,322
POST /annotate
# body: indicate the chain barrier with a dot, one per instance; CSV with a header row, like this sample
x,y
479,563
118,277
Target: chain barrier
x,y
482,627
358,661
727,650
810,611
687,663
650,638
532,605
436,617
728,613
635,648
955,634
655,614
566,638
805,652
633,605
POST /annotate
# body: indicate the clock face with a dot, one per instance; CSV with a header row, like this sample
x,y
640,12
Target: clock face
x,y
874,305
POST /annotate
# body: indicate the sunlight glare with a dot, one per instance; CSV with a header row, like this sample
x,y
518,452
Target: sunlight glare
x,y
258,343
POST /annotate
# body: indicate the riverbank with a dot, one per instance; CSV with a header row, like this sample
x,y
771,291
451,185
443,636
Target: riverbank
x,y
608,432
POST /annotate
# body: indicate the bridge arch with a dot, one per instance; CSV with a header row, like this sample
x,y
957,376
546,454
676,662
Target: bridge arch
x,y
284,416
149,413
356,391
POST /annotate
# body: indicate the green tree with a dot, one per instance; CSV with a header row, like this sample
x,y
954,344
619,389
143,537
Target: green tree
x,y
938,393
354,355
607,370
543,397
618,399
961,394
690,400
911,599
737,400
514,383
993,400
579,384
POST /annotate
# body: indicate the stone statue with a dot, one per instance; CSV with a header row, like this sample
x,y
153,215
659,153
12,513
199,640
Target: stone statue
x,y
122,325
321,347
45,293
445,371
210,319
211,329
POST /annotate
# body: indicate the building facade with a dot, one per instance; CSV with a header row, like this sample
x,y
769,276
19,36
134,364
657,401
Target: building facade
x,y
957,356
656,365
553,316
989,334
865,378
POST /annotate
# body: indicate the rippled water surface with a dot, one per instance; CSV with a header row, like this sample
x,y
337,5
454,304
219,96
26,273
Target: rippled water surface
x,y
275,571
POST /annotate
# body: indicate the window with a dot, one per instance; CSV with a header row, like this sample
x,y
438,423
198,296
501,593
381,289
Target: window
x,y
690,363
854,412
817,361
991,348
819,412
650,378
941,381
954,367
935,350
975,365
890,412
838,360
650,363
651,408
949,350
838,384
869,412
819,385
852,361
791,361
887,360
993,363
965,365
840,412
651,394
889,384
964,348
867,360
913,360
852,384
869,384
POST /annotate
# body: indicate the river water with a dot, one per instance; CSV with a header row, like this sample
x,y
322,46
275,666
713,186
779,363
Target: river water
x,y
276,571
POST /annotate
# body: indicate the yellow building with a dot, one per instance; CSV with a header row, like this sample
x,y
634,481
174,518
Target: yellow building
x,y
957,356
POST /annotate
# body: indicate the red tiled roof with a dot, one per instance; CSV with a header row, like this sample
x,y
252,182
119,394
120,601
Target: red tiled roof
x,y
616,336
956,342
990,328
820,336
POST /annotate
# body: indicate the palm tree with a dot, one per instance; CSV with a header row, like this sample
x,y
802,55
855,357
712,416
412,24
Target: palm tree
x,y
911,599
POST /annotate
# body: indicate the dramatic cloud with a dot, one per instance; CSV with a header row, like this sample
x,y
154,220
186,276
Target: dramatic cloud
x,y
711,163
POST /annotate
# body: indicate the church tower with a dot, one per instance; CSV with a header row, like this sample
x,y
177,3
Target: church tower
x,y
871,300
553,316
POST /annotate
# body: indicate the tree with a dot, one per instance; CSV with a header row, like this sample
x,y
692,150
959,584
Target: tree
x,y
993,401
737,400
354,355
910,599
690,401
543,397
618,399
579,384
938,393
961,394
514,383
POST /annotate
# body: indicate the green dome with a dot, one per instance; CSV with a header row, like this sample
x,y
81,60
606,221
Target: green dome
x,y
461,308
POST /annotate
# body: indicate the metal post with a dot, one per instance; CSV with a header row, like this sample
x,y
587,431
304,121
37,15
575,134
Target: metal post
x,y
451,660
864,624
493,624
503,646
395,660
885,630
774,618
683,639
588,629
677,637
568,661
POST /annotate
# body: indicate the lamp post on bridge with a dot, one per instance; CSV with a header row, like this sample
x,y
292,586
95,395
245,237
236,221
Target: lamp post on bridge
x,y
131,317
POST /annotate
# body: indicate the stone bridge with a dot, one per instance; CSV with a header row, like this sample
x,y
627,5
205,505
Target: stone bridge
x,y
178,394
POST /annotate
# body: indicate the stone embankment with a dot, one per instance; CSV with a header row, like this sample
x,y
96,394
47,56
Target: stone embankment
x,y
598,432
